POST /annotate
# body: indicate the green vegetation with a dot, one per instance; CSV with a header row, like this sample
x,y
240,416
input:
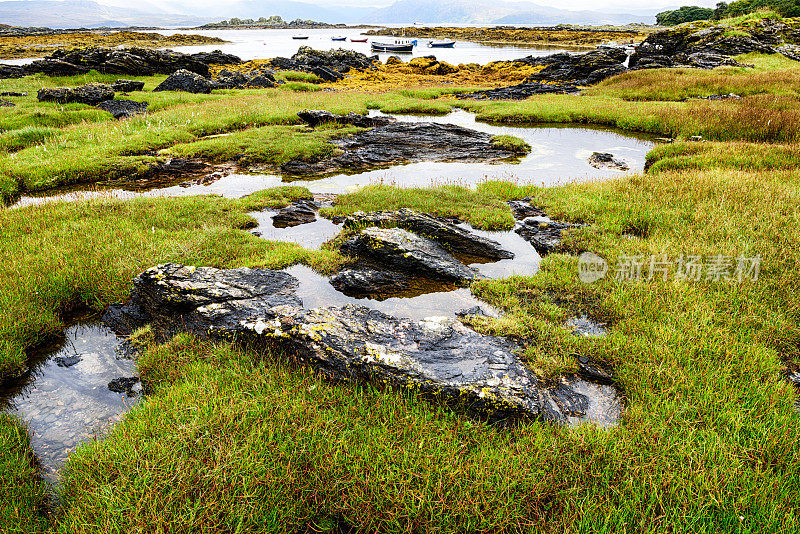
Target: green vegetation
x,y
683,14
235,439
511,143
785,8
23,495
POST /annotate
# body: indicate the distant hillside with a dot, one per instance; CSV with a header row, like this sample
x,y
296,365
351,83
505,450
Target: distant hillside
x,y
88,14
494,12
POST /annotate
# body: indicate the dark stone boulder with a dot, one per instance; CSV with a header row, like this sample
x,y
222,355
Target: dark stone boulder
x,y
127,86
545,235
326,74
12,93
453,237
330,65
522,91
297,213
437,358
123,108
217,57
404,142
227,79
578,69
12,71
522,209
91,94
54,67
400,250
123,385
6,104
67,361
186,81
604,160
261,82
363,281
314,117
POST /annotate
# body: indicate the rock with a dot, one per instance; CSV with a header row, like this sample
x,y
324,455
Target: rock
x,y
12,93
403,142
400,250
297,213
454,238
314,117
123,108
6,104
393,60
127,86
91,94
475,311
522,209
186,81
604,160
217,57
260,82
123,385
67,361
131,61
230,80
12,71
363,281
54,67
436,358
522,91
544,234
578,69
329,65
595,371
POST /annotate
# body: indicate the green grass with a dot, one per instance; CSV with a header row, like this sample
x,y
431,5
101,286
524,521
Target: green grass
x,y
64,256
297,76
750,157
511,143
480,210
23,495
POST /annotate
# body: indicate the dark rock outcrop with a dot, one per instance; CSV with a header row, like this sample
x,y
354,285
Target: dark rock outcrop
x,y
604,160
545,235
329,65
123,385
123,108
314,117
404,142
522,91
127,86
400,250
91,94
297,213
227,79
217,57
522,209
454,238
67,361
186,81
363,281
12,71
54,67
578,69
437,358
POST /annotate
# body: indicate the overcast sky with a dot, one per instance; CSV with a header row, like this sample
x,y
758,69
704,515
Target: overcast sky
x,y
621,6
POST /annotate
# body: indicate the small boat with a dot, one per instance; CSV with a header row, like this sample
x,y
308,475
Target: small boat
x,y
338,38
402,46
299,37
364,40
441,44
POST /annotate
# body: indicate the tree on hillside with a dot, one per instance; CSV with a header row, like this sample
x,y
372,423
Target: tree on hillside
x,y
720,11
785,8
684,14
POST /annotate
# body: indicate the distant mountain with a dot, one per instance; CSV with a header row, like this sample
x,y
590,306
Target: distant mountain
x,y
288,9
494,12
85,14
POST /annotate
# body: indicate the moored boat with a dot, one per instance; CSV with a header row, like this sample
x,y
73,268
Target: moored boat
x,y
441,44
338,38
364,40
399,46
299,37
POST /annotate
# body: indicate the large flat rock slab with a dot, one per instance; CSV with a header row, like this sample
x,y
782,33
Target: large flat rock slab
x,y
404,142
437,357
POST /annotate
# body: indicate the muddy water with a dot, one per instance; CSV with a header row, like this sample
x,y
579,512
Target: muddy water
x,y
559,155
67,405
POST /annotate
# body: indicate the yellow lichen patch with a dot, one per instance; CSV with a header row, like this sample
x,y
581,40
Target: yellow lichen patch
x,y
425,72
562,36
19,46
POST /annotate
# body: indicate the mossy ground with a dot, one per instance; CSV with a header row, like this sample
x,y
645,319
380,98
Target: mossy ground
x,y
236,440
24,46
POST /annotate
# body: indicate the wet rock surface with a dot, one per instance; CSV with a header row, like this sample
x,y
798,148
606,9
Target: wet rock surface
x,y
216,57
453,237
91,94
522,209
577,69
297,213
436,357
184,80
314,117
121,109
545,235
522,91
330,65
404,142
400,250
124,385
364,281
255,79
604,160
127,86
126,61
